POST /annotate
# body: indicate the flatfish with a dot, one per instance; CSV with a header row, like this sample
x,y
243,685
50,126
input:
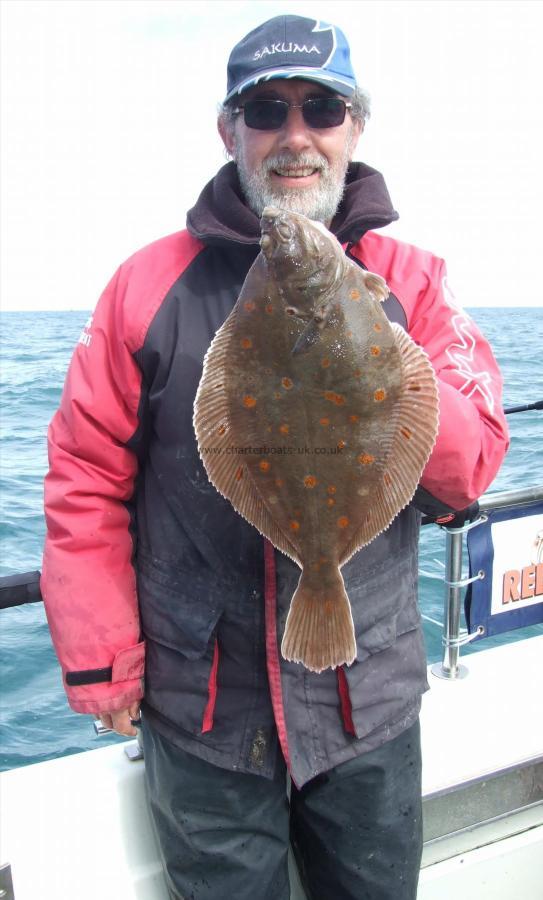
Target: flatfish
x,y
314,417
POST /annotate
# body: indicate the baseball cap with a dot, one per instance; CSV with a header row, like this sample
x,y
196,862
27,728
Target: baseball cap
x,y
291,47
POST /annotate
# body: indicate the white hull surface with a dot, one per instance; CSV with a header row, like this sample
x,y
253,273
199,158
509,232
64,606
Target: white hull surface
x,y
77,828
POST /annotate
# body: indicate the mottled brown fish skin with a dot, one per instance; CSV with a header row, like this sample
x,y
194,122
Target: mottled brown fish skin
x,y
331,413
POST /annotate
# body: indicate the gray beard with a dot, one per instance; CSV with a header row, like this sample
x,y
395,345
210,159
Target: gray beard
x,y
319,202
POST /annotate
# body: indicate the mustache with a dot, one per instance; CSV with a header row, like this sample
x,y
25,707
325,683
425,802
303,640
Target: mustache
x,y
299,160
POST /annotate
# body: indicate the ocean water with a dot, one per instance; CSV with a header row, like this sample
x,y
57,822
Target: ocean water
x,y
36,722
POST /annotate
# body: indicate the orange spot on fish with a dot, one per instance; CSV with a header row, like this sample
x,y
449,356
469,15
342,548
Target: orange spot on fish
x,y
379,395
354,418
294,525
239,473
331,489
330,501
328,607
276,395
341,445
249,401
264,465
349,333
406,432
250,305
279,482
310,481
324,421
221,429
377,327
366,459
287,383
269,308
284,428
375,350
338,399
342,522
355,295
387,479
357,373
246,343
325,362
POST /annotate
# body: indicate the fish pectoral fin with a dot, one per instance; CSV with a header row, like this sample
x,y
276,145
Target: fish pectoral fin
x,y
377,286
319,632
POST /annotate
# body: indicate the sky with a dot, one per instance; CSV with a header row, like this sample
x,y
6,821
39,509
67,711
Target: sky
x,y
109,132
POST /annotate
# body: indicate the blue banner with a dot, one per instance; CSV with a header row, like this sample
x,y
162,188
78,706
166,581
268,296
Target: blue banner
x,y
508,550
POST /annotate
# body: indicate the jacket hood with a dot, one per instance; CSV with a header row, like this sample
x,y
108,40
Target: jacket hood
x,y
221,215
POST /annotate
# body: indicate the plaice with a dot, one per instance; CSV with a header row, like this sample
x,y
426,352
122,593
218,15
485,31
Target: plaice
x,y
314,417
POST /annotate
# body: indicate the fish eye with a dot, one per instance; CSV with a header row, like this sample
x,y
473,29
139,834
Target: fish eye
x,y
285,231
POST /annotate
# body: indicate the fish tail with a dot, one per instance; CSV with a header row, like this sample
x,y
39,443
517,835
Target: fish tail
x,y
319,631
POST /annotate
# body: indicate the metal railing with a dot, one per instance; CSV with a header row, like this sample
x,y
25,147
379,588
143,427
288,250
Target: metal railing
x,y
453,639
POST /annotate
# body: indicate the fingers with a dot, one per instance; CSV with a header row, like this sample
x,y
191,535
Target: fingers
x,y
119,721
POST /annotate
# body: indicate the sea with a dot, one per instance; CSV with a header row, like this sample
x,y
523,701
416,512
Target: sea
x,y
36,722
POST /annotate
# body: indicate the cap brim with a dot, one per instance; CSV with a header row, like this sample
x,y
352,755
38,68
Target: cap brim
x,y
327,79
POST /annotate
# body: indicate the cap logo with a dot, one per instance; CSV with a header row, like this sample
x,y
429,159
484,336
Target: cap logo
x,y
284,48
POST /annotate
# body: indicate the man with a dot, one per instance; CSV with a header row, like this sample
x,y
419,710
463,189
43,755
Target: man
x,y
131,515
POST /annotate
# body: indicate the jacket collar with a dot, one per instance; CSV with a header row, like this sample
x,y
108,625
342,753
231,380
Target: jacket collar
x,y
221,215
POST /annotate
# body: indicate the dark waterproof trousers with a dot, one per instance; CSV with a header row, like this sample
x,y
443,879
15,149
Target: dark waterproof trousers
x,y
356,830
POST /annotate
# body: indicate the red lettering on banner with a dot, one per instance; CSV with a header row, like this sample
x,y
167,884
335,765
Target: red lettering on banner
x,y
510,586
523,584
528,582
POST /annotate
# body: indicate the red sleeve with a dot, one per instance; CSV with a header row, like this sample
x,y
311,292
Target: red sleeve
x,y
473,435
88,581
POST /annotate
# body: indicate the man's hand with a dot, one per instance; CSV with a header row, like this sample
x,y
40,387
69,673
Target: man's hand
x,y
119,720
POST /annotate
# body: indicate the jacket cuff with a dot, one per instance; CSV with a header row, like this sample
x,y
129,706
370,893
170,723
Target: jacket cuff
x,y
108,702
128,663
108,689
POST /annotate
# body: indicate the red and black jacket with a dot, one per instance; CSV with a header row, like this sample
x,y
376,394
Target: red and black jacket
x,y
142,552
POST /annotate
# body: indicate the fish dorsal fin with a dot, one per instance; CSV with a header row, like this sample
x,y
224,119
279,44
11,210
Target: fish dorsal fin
x,y
213,422
412,443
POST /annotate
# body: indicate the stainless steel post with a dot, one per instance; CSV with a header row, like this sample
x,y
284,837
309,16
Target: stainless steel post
x,y
450,667
453,598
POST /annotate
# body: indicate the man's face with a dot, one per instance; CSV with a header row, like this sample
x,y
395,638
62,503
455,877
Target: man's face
x,y
298,168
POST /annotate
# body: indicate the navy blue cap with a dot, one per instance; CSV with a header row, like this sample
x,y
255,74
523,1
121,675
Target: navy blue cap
x,y
291,47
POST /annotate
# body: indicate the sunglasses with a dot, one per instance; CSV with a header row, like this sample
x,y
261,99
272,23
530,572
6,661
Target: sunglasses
x,y
270,115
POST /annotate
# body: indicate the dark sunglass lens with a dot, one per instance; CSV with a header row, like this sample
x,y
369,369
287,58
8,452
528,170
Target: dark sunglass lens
x,y
324,112
266,115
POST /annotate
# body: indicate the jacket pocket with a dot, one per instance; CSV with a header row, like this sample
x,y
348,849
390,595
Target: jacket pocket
x,y
181,617
384,606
